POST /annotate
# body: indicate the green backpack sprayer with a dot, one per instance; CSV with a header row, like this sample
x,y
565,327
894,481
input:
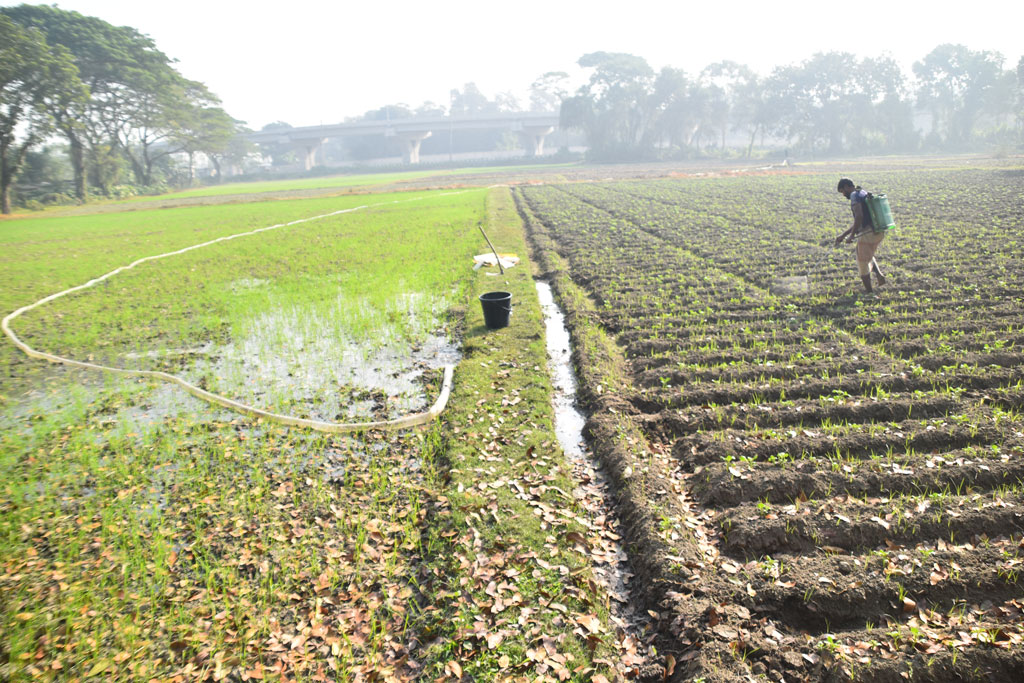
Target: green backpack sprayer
x,y
881,214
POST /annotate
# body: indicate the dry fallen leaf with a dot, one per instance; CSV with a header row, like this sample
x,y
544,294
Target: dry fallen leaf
x,y
589,622
576,538
670,666
453,668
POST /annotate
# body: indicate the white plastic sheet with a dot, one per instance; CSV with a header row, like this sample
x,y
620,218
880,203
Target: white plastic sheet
x,y
507,260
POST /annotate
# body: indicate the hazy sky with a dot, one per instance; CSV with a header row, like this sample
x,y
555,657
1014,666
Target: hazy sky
x,y
307,62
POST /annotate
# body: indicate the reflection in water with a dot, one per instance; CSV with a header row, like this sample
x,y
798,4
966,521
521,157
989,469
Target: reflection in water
x,y
306,360
593,490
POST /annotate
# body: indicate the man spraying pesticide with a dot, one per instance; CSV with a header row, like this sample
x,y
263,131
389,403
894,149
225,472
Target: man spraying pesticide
x,y
871,220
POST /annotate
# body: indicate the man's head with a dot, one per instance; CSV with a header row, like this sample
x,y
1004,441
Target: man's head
x,y
846,186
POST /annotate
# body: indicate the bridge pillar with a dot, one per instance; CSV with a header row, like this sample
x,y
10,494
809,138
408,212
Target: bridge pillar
x,y
533,139
312,149
410,143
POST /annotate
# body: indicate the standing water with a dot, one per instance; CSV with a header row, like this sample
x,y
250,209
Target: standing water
x,y
611,566
568,420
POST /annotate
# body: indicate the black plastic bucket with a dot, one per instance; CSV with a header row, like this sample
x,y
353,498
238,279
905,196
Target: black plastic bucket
x,y
497,308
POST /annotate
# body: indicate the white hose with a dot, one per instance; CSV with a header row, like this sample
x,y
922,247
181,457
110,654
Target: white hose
x,y
318,425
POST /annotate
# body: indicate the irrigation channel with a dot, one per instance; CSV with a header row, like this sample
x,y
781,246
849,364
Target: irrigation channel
x,y
592,489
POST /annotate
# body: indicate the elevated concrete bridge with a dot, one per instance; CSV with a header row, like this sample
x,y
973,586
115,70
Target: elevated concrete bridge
x,y
532,128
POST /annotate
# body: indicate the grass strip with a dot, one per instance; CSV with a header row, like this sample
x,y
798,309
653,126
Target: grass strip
x,y
510,592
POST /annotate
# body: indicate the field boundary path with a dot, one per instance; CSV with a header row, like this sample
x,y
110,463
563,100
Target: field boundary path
x,y
245,409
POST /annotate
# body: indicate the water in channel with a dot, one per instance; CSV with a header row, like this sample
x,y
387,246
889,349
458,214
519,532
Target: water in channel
x,y
611,567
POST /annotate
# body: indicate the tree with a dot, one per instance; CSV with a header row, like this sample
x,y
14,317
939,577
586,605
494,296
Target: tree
x,y
279,153
613,107
234,152
892,118
116,63
33,75
431,109
470,101
996,121
137,101
578,112
823,102
46,172
1020,100
208,130
106,166
724,82
671,106
149,118
953,84
751,109
548,91
506,101
388,112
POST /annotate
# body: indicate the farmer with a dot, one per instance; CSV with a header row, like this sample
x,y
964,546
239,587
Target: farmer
x,y
863,231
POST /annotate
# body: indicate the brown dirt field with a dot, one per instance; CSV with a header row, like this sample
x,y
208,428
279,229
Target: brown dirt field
x,y
817,488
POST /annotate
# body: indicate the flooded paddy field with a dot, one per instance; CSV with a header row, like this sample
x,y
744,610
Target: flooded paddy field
x,y
146,533
815,484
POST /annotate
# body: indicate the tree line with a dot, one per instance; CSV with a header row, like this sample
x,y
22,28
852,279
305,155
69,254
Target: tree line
x,y
832,103
115,99
124,111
